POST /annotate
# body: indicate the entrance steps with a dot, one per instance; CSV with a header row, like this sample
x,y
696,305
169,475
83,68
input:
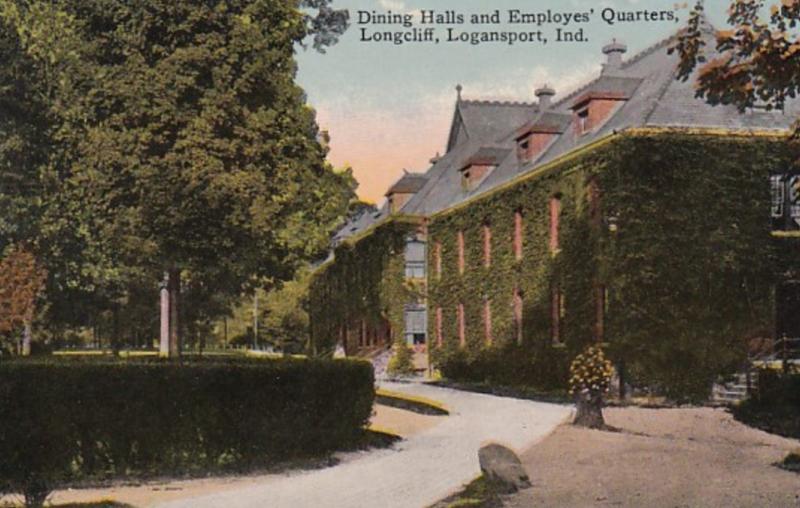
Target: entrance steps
x,y
734,390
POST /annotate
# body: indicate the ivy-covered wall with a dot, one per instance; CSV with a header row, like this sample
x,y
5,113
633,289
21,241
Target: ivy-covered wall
x,y
681,245
364,281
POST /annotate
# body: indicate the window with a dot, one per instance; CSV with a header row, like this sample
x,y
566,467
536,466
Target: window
x,y
517,305
487,319
522,148
462,331
437,259
415,324
557,310
439,336
518,234
487,244
466,179
593,196
415,259
555,219
582,121
460,252
785,209
778,195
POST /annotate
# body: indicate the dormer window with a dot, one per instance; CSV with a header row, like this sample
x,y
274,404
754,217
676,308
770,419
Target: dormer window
x,y
473,175
535,138
403,190
480,165
598,104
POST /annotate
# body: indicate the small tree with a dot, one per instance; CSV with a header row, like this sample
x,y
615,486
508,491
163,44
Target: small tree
x,y
590,377
402,361
21,280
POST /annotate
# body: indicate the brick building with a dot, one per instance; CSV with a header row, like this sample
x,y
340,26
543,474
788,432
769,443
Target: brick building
x,y
489,240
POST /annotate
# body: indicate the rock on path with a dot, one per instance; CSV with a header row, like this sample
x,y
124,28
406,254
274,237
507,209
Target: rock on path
x,y
417,472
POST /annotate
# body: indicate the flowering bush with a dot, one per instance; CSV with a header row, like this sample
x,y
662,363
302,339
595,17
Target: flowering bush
x,y
590,372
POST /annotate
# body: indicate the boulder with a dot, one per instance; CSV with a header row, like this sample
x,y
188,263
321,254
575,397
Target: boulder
x,y
502,466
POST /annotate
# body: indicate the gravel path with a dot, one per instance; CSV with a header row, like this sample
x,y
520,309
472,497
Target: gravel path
x,y
417,472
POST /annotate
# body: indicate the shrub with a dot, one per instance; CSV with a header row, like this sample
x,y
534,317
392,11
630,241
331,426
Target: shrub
x,y
776,405
402,361
590,377
71,420
505,365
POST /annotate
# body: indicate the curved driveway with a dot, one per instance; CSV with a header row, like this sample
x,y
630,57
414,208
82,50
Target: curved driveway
x,y
417,472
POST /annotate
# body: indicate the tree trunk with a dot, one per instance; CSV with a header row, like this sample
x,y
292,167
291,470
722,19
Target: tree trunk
x,y
174,288
589,411
35,492
26,340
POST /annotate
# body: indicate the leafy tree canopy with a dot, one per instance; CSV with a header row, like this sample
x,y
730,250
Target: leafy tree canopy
x,y
155,135
758,55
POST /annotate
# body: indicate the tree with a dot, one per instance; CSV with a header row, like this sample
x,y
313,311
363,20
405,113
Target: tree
x,y
758,58
182,146
284,315
21,279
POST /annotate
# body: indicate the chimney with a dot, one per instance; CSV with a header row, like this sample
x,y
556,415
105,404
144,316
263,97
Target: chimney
x,y
614,52
545,96
435,158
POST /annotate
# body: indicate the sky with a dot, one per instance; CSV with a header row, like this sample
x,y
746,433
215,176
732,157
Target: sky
x,y
388,107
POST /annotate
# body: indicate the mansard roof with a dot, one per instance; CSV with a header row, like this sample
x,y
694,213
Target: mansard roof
x,y
653,98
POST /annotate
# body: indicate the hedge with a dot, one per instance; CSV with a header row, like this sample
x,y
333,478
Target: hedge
x,y
775,407
72,420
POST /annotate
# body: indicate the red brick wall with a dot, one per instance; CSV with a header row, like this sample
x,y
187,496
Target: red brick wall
x,y
398,200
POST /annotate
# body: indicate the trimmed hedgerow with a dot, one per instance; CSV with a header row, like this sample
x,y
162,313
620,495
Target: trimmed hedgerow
x,y
67,421
682,247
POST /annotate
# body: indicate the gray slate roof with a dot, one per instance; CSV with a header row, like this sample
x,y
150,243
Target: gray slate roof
x,y
655,99
408,183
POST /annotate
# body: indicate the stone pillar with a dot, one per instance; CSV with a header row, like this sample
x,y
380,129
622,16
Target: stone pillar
x,y
174,288
163,349
26,339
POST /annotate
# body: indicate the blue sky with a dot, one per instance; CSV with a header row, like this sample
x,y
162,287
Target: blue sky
x,y
388,107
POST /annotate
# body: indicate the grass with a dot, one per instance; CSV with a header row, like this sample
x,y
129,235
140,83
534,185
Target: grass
x,y
516,392
791,462
480,493
412,403
97,504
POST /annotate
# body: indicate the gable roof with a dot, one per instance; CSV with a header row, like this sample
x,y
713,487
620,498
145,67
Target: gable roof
x,y
486,120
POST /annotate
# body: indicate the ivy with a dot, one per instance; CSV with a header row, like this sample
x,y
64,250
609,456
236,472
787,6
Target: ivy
x,y
689,269
364,281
